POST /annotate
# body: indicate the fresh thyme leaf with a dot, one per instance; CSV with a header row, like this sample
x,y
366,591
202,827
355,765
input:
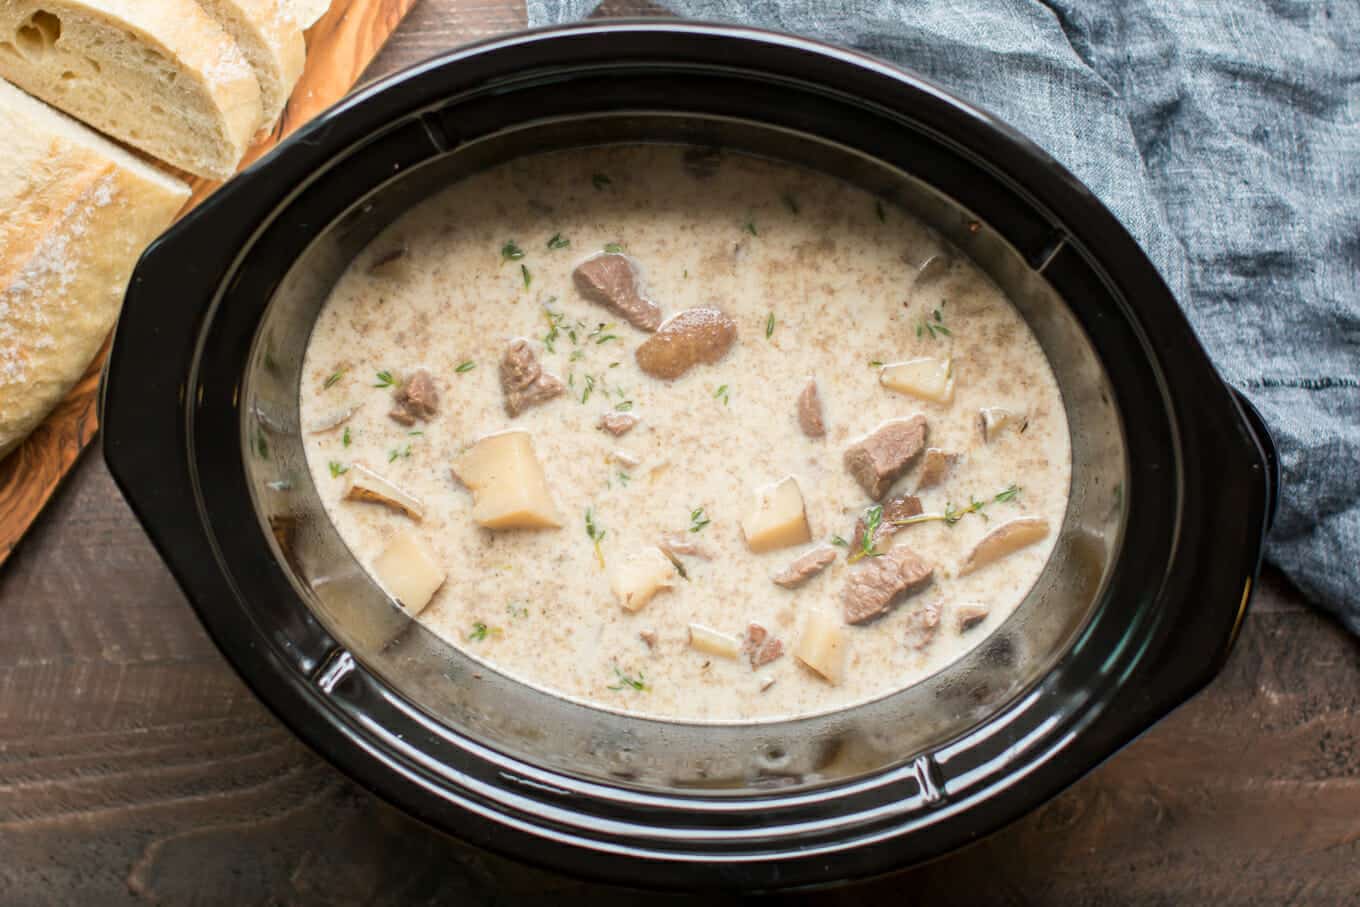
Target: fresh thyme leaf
x,y
337,469
558,241
385,379
596,535
1007,495
614,248
332,380
415,434
624,478
679,567
524,270
875,363
344,438
626,682
751,228
261,445
839,542
880,211
600,180
396,452
624,406
605,338
511,251
464,367
790,202
479,632
576,356
769,326
517,610
953,514
554,327
721,394
589,388
698,519
868,543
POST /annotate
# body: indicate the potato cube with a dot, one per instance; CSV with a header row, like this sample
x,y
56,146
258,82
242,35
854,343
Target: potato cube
x,y
409,570
925,379
1005,539
640,577
712,642
508,487
822,645
777,518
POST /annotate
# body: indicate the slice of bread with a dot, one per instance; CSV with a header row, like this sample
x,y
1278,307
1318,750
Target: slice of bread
x,y
272,44
305,12
160,75
78,211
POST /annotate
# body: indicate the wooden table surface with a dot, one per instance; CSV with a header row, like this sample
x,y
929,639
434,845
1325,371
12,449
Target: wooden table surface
x,y
135,767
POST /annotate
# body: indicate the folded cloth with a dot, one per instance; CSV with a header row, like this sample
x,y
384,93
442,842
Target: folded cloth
x,y
1225,134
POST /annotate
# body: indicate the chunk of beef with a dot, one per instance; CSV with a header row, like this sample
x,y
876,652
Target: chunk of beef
x,y
879,582
701,335
902,507
805,567
761,647
922,625
618,424
880,458
416,399
611,280
968,615
935,465
810,411
683,543
523,380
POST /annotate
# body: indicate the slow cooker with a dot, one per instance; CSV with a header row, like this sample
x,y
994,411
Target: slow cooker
x,y
1137,609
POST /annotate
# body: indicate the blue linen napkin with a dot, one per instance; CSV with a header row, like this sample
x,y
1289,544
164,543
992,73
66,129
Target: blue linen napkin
x,y
1225,134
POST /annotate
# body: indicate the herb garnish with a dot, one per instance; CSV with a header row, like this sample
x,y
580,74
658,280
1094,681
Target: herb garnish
x,y
935,325
385,379
600,180
396,452
464,367
558,241
880,211
344,438
515,610
638,683
751,228
769,326
590,388
624,406
511,251
524,270
261,445
868,543
337,469
601,333
614,248
790,202
679,567
875,363
555,320
721,394
481,631
331,381
698,519
953,514
839,542
596,535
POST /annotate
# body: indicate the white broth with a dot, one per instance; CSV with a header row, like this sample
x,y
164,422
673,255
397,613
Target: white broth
x,y
819,280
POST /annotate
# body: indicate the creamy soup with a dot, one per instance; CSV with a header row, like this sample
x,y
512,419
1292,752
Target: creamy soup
x,y
696,436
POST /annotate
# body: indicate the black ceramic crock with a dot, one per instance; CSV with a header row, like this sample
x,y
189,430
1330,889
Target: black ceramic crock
x,y
1173,479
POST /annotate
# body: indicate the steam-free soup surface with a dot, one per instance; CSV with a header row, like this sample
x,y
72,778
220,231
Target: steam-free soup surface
x,y
654,592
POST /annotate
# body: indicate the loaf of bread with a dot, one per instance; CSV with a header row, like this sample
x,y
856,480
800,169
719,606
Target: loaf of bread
x,y
272,43
305,12
161,75
78,211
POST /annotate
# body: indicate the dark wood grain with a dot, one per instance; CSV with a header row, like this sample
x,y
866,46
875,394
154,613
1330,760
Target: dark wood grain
x,y
340,47
136,768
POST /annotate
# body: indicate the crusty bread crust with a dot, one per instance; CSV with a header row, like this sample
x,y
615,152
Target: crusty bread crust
x,y
272,43
78,211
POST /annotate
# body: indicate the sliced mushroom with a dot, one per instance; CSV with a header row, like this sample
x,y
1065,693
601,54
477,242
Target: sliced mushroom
x,y
694,336
683,543
332,420
968,615
363,484
1005,539
805,567
810,411
612,280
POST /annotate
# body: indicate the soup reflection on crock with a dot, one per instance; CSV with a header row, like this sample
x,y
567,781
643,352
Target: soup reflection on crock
x,y
694,435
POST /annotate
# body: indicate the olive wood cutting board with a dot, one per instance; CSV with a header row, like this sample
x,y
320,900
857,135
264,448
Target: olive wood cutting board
x,y
339,48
